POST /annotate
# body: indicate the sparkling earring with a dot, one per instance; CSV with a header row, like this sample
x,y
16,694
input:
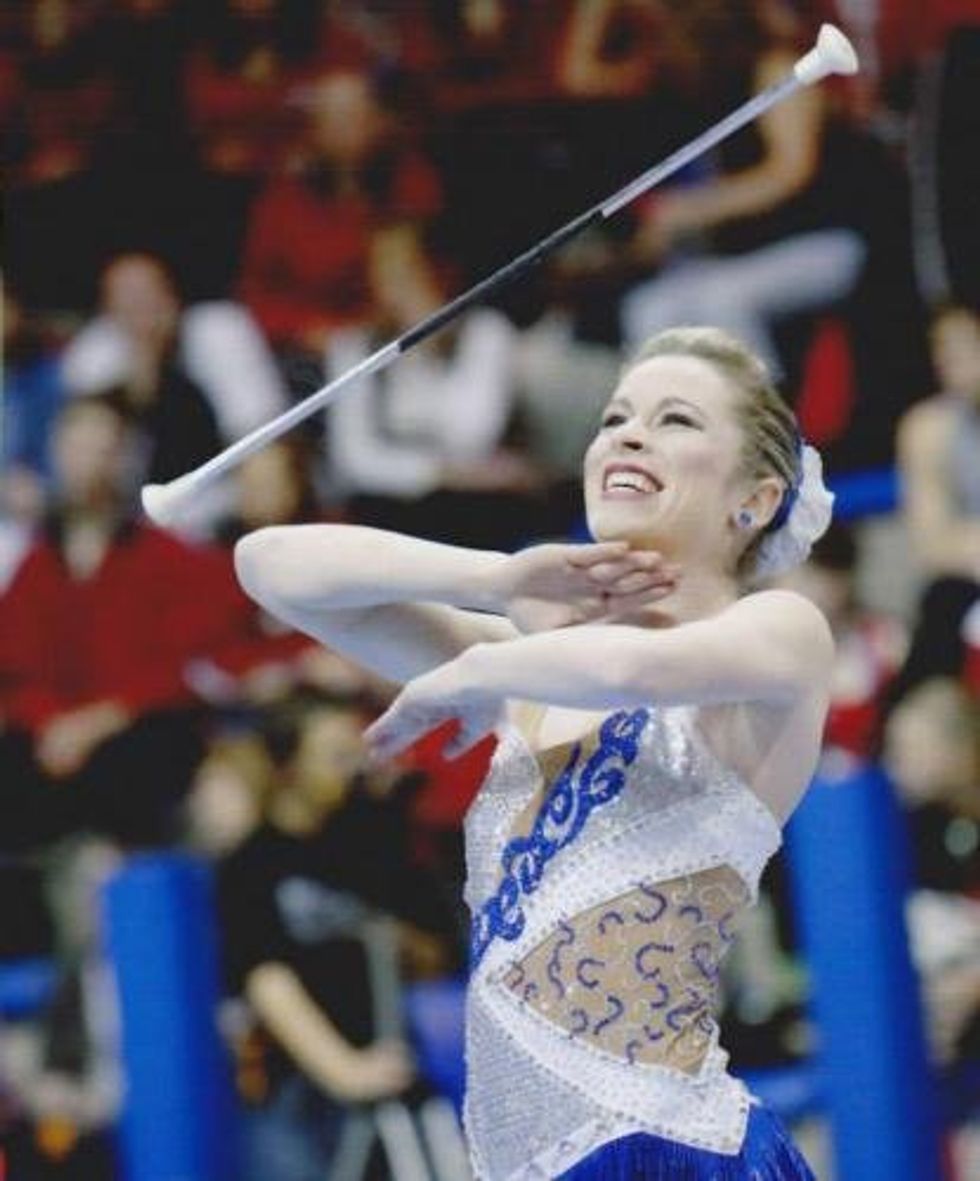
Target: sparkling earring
x,y
744,519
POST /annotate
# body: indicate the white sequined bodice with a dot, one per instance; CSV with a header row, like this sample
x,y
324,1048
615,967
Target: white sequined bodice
x,y
604,877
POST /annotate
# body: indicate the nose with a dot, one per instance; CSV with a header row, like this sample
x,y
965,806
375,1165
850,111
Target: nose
x,y
631,437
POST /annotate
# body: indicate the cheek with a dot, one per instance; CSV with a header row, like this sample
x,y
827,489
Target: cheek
x,y
592,460
702,459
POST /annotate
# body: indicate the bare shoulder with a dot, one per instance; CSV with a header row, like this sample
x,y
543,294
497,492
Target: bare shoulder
x,y
775,746
925,426
791,622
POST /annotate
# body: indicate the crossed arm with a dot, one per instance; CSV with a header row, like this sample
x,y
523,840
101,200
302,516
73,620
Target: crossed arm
x,y
772,648
405,609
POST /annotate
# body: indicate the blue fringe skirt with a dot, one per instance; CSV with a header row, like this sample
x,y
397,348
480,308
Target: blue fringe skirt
x,y
767,1154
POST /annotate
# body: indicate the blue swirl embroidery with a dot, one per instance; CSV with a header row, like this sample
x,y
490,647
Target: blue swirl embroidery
x,y
581,1022
613,1013
566,939
574,795
580,970
607,918
661,901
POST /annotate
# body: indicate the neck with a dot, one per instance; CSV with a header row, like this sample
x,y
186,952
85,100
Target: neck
x,y
97,507
699,594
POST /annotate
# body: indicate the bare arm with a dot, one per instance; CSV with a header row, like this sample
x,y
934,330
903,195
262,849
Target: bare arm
x,y
314,1043
582,67
396,605
790,134
400,606
944,542
769,647
772,649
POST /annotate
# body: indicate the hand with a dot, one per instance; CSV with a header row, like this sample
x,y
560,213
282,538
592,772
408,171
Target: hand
x,y
67,742
449,691
379,1071
551,586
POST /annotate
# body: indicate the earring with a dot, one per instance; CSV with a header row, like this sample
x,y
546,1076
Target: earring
x,y
744,519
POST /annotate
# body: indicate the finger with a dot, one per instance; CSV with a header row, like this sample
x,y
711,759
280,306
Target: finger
x,y
637,583
396,730
606,573
584,556
620,606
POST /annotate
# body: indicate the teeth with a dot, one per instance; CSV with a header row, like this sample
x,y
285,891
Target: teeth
x,y
635,481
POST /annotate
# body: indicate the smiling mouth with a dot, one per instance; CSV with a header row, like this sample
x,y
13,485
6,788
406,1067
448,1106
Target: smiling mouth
x,y
629,482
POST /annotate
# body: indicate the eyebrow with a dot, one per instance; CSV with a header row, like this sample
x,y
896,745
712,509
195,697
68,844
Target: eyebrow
x,y
671,400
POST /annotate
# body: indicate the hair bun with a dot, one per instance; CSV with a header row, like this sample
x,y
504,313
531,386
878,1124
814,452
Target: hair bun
x,y
810,515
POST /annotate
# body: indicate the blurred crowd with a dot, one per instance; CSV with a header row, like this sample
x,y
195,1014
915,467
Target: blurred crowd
x,y
213,208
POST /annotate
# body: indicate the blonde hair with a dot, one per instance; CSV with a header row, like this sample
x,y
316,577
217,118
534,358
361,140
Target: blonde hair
x,y
771,436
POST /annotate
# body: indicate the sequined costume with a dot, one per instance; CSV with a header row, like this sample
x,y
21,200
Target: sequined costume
x,y
604,879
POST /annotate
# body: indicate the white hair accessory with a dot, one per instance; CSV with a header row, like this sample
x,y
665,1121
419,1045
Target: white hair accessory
x,y
812,507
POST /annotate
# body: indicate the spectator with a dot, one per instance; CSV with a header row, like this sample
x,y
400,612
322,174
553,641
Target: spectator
x,y
777,222
938,444
32,393
295,898
932,751
273,486
423,447
305,272
931,737
96,628
238,78
268,661
198,376
61,97
939,440
611,48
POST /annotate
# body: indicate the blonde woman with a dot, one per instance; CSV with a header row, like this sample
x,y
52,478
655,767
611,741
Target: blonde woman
x,y
658,722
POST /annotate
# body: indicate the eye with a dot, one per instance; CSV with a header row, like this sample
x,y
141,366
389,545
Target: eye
x,y
679,416
614,418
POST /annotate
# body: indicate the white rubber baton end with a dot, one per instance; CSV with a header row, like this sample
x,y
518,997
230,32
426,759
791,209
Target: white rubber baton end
x,y
832,54
161,502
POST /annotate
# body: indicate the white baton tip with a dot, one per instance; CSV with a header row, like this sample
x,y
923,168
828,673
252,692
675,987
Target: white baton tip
x,y
832,54
158,502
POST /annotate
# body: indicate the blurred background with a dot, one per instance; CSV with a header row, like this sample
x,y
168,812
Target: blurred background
x,y
230,948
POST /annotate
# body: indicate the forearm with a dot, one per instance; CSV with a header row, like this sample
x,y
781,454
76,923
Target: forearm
x,y
351,566
746,194
586,667
761,651
303,1030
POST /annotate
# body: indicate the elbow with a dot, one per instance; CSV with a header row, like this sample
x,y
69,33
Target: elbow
x,y
260,561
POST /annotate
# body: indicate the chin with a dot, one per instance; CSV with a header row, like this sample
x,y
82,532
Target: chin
x,y
616,525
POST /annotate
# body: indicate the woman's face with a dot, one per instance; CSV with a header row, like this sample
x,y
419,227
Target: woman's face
x,y
956,352
663,471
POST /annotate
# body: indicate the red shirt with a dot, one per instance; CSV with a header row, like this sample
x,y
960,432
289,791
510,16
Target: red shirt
x,y
126,633
305,261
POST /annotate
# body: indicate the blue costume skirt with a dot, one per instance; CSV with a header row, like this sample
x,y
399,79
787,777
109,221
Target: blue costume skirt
x,y
767,1154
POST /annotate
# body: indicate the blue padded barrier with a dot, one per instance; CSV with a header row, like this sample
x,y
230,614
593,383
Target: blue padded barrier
x,y
848,854
866,493
178,1113
435,1016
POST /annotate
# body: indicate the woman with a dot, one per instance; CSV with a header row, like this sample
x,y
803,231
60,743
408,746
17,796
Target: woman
x,y
772,232
640,783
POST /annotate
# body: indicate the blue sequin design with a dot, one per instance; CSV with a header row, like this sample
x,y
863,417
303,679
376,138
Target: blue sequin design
x,y
575,794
